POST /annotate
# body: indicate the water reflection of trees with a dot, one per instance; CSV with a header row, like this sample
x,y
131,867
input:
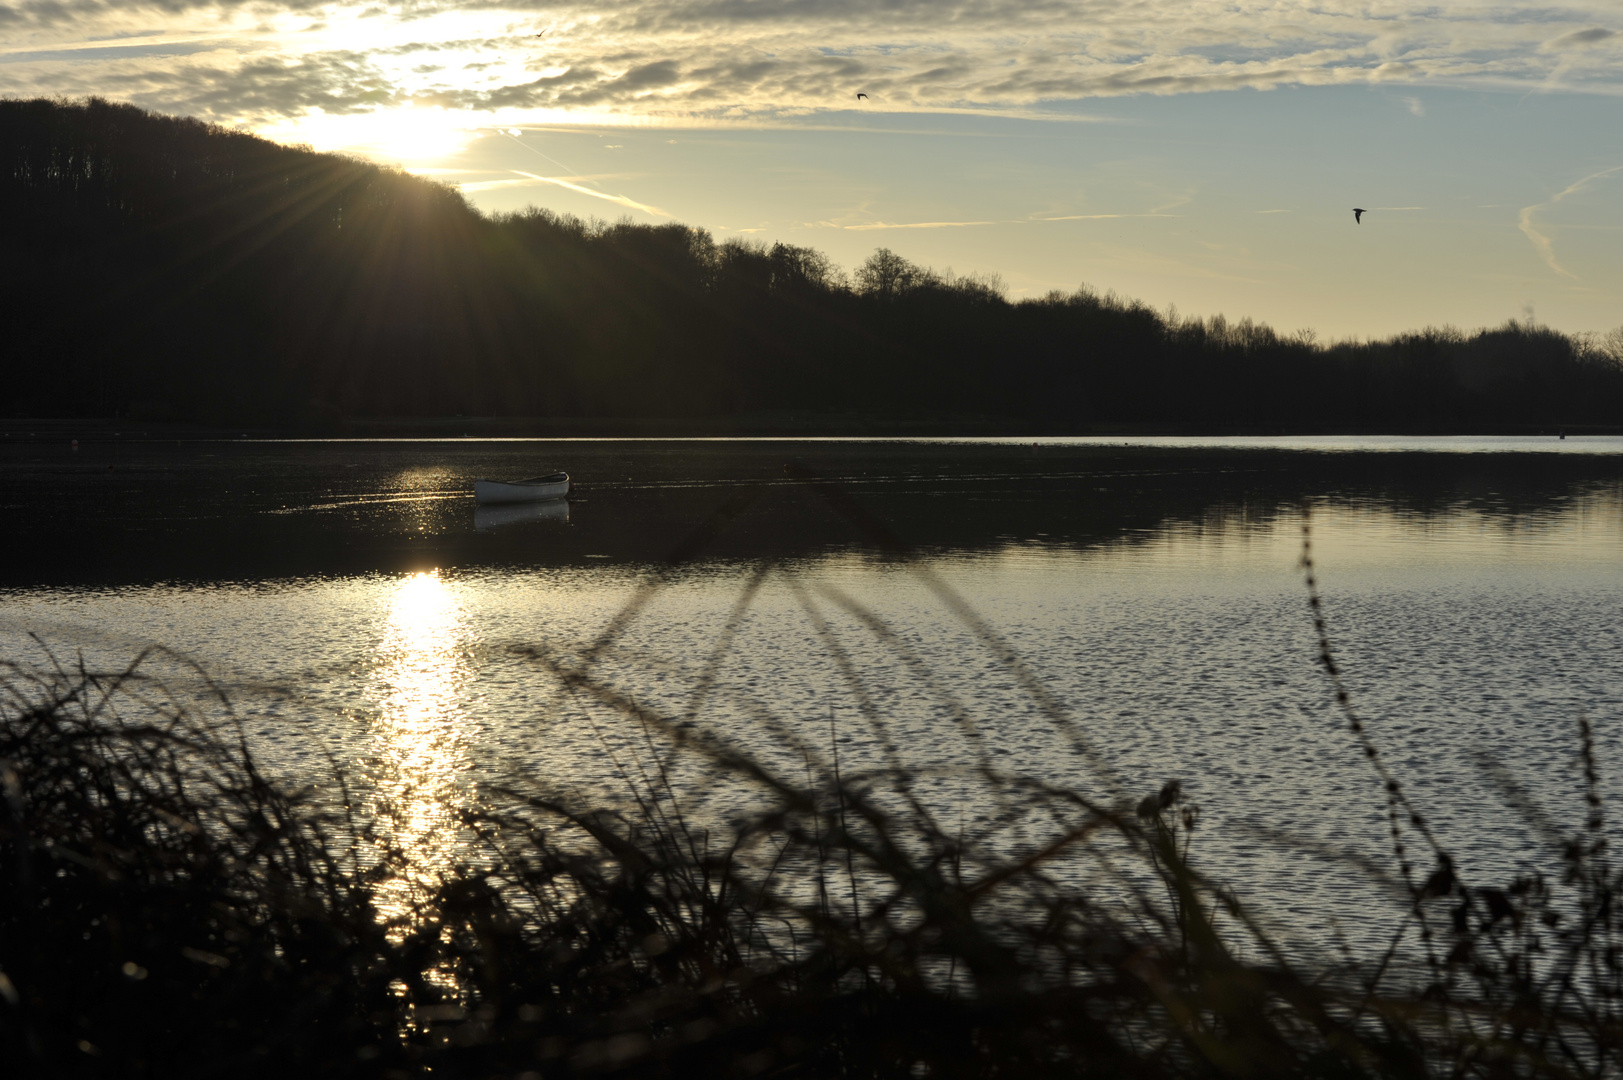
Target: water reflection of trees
x,y
637,500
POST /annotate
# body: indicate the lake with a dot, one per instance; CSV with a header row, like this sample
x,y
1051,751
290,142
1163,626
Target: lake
x,y
351,602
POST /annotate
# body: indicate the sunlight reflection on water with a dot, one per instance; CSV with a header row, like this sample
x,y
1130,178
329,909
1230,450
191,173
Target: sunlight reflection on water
x,y
420,669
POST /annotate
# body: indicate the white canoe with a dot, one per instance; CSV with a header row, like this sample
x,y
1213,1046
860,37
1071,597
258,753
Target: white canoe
x,y
535,489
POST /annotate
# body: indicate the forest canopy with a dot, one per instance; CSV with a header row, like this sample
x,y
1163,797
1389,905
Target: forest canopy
x,y
164,268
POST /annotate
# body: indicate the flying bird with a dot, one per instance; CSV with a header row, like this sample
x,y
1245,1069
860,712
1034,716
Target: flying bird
x,y
1358,215
861,96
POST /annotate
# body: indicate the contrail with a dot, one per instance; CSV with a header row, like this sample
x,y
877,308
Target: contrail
x,y
512,133
120,43
621,200
1541,243
919,225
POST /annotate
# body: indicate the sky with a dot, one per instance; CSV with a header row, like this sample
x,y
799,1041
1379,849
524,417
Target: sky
x,y
1199,155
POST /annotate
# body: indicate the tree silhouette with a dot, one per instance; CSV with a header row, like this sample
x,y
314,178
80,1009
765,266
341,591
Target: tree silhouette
x,y
162,268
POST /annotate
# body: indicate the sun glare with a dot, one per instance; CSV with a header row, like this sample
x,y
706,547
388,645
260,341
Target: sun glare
x,y
409,136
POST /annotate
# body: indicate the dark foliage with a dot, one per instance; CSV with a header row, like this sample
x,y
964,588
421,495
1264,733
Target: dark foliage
x,y
159,268
167,911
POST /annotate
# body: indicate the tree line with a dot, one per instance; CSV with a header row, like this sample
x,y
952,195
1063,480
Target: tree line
x,y
164,268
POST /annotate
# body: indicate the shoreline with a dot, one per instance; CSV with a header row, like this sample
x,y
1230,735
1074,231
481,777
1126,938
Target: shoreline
x,y
23,430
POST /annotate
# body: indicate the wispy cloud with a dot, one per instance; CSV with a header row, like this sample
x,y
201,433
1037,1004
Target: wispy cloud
x,y
1538,238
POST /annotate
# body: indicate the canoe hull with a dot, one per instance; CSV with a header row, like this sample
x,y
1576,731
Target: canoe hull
x,y
489,492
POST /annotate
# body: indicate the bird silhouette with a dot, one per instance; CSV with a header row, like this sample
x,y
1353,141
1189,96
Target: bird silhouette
x,y
861,96
1358,215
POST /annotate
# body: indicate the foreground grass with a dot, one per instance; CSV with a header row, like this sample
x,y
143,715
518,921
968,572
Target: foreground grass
x,y
168,911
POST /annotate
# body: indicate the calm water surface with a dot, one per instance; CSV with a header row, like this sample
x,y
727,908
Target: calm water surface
x,y
354,602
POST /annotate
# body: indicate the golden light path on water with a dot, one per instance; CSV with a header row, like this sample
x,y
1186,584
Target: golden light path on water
x,y
420,669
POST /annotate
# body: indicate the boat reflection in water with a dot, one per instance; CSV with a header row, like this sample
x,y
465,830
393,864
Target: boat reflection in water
x,y
486,518
420,669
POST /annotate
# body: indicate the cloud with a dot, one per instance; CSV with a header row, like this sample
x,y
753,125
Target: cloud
x,y
679,61
334,83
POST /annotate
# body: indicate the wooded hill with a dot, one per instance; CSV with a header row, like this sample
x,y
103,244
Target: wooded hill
x,y
162,268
